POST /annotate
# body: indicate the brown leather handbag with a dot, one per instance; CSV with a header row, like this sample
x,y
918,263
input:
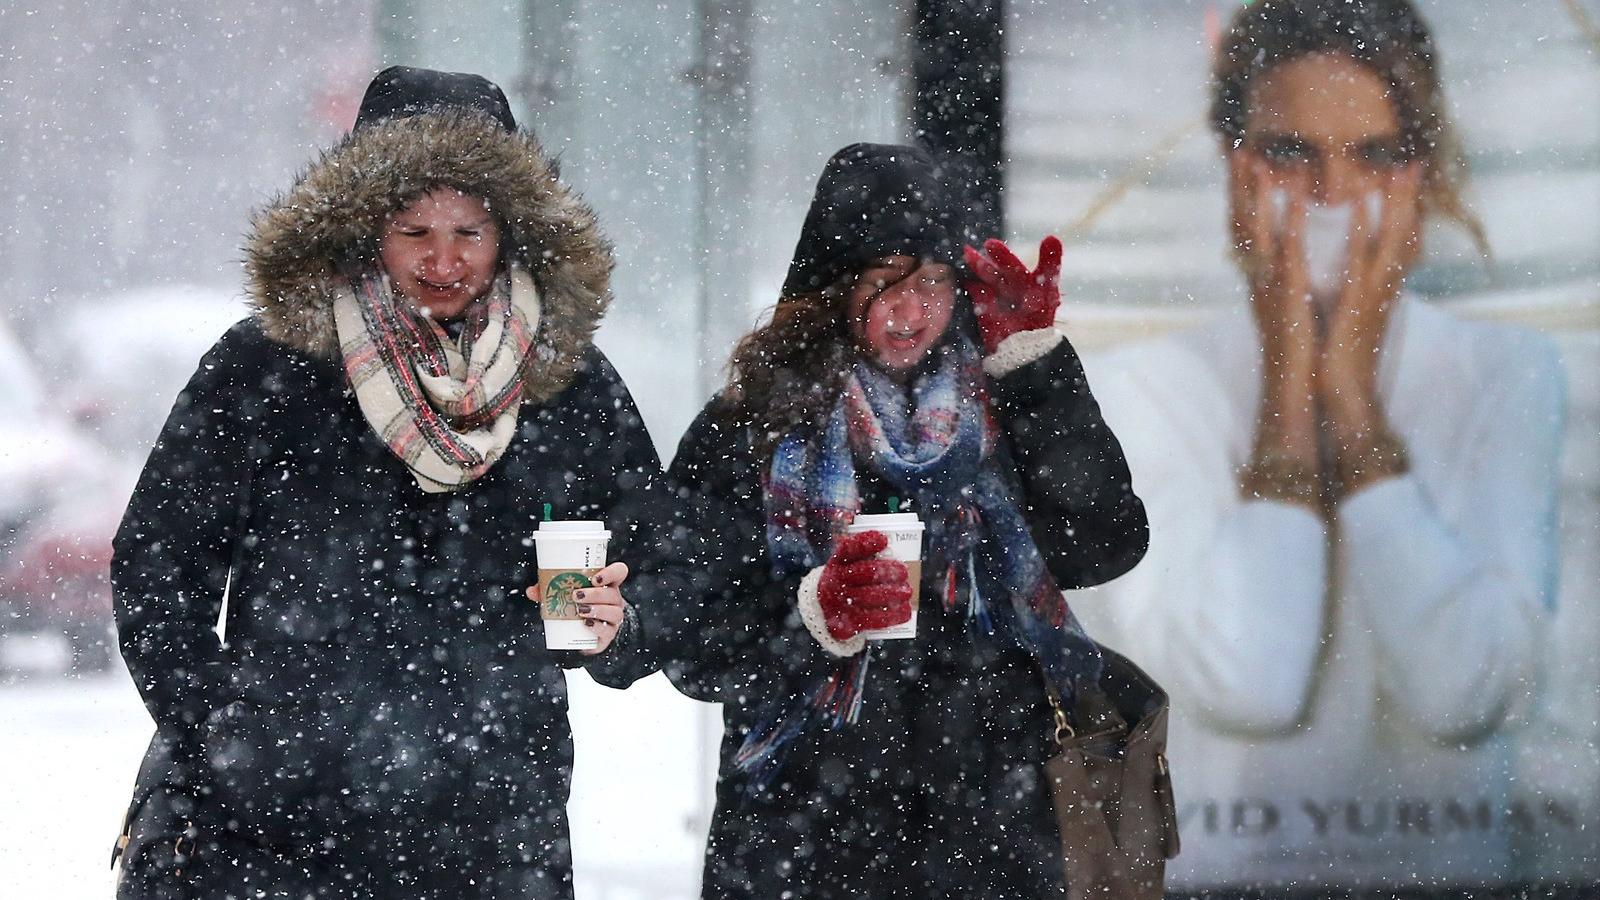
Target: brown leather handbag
x,y
1112,789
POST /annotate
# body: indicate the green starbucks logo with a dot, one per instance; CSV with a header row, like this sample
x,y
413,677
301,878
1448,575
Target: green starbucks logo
x,y
558,596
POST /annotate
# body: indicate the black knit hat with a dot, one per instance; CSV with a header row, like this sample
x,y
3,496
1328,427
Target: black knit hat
x,y
873,200
400,91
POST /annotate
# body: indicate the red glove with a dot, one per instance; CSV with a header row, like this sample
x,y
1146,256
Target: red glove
x,y
1006,297
858,592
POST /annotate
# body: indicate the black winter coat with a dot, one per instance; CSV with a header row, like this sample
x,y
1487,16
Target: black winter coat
x,y
381,717
382,671
937,791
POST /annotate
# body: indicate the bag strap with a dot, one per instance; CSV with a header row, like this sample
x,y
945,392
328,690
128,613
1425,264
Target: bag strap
x,y
1093,707
1064,732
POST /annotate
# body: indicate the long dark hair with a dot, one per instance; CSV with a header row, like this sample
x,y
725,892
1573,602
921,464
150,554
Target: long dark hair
x,y
1387,36
789,372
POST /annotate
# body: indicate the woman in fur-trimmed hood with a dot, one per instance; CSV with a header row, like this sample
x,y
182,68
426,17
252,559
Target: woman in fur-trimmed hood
x,y
362,465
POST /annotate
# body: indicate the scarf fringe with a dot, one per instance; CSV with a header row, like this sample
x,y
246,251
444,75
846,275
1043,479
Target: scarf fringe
x,y
978,615
836,702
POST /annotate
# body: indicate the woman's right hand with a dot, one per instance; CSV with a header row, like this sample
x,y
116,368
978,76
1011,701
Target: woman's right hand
x,y
1274,259
601,605
1008,297
1284,462
858,592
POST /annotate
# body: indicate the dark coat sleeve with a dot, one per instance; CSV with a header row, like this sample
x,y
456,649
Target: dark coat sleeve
x,y
1086,518
722,621
172,552
635,479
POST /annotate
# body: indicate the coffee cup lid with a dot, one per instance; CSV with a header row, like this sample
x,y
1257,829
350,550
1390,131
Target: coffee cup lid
x,y
571,528
868,521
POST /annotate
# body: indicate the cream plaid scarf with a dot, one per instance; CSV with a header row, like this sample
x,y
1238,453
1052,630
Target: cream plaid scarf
x,y
446,407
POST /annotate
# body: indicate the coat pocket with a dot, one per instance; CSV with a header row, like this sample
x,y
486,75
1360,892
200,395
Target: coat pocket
x,y
326,734
270,774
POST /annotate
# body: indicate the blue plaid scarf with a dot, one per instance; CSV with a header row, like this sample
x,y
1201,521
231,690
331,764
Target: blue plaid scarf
x,y
938,447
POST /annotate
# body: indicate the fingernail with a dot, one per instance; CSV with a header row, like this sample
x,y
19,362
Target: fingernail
x,y
579,594
585,609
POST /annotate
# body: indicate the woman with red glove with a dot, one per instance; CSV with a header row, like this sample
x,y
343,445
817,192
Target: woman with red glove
x,y
895,767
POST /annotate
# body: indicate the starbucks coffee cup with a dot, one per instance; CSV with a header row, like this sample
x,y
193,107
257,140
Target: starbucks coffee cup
x,y
905,544
569,554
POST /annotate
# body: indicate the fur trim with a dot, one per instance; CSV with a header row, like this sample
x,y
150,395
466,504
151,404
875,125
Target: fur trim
x,y
303,241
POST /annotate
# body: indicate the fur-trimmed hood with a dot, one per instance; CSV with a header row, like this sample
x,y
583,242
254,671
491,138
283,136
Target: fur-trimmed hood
x,y
304,241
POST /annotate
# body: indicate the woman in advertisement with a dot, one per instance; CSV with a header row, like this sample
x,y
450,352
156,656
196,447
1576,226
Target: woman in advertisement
x,y
1351,492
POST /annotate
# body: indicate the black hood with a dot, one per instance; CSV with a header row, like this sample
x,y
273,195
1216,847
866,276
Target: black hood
x,y
401,91
873,200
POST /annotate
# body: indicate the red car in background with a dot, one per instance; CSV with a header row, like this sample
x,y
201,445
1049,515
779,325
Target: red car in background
x,y
72,442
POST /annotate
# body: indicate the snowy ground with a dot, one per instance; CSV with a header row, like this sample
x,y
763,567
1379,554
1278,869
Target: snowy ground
x,y
69,750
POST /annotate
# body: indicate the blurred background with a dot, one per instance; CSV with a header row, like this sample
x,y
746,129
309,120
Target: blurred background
x,y
138,137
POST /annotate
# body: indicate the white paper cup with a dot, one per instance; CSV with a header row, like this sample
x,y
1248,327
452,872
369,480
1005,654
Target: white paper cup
x,y
569,554
904,531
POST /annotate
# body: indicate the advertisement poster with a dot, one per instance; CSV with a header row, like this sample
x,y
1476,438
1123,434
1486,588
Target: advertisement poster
x,y
1380,647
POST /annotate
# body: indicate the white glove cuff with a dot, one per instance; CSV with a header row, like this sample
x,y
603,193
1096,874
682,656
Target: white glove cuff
x,y
1020,349
817,623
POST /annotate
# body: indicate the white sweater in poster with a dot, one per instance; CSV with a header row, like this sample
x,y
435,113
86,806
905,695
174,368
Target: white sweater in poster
x,y
1343,697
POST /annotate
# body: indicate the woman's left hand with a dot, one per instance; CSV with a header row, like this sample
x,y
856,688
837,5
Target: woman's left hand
x,y
1380,254
1366,447
1006,297
601,606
